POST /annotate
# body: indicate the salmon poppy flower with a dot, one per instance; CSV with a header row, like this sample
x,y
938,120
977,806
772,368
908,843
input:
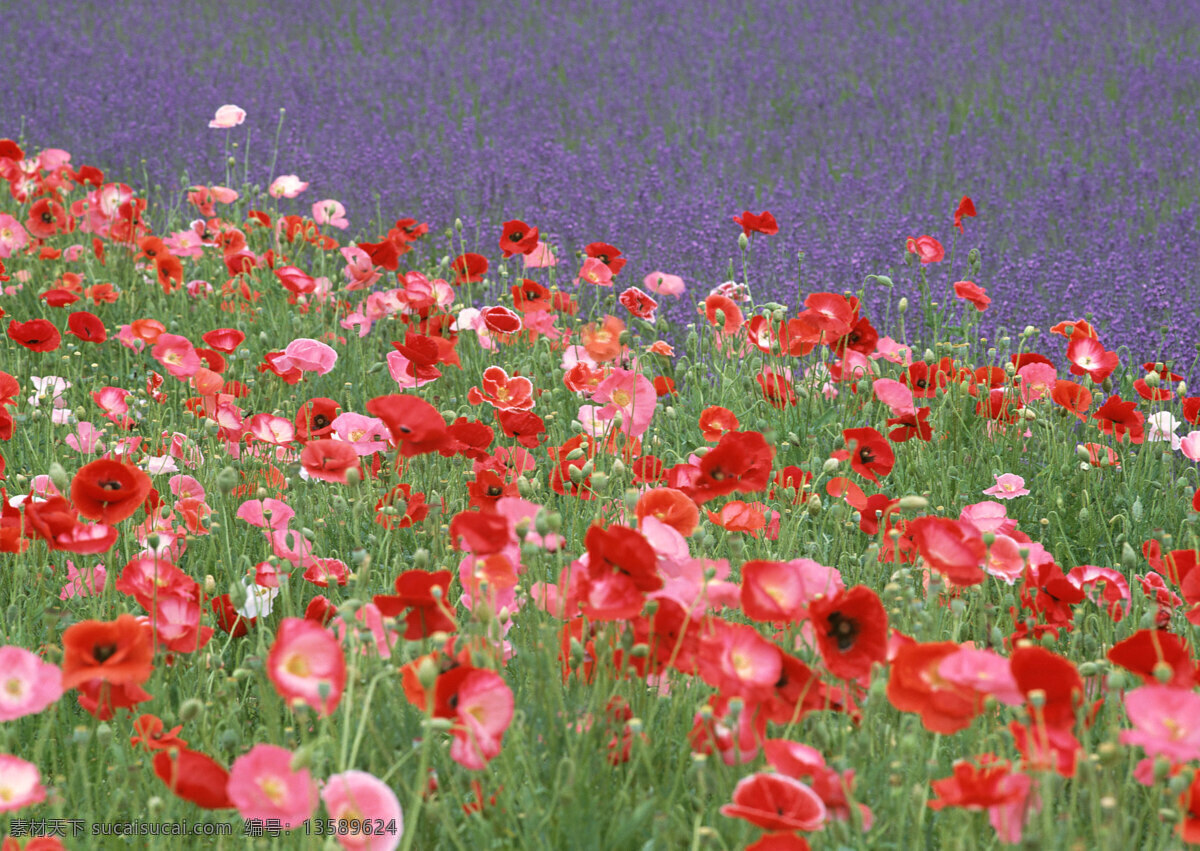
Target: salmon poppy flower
x,y
1088,356
988,785
773,591
852,631
37,335
595,272
715,421
502,392
113,652
306,665
776,802
483,710
194,777
954,548
973,293
763,223
739,516
927,249
109,491
603,343
330,460
518,238
671,506
915,685
469,268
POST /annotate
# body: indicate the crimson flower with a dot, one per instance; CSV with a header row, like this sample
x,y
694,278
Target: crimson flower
x,y
194,777
1118,418
741,461
852,631
87,327
423,594
37,335
607,254
763,223
518,238
109,491
966,208
469,268
776,802
869,452
415,424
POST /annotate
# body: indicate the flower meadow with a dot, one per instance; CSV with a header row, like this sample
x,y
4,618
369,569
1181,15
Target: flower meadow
x,y
427,541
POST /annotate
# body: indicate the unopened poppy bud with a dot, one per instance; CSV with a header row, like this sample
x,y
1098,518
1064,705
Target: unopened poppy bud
x,y
1084,514
1037,698
1182,388
599,481
575,454
989,538
575,475
210,584
1152,379
743,241
1129,558
830,465
902,306
555,522
1163,672
59,476
577,653
458,225
190,710
541,522
913,502
814,505
353,476
439,725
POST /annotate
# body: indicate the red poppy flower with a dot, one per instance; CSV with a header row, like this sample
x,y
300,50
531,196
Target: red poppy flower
x,y
664,385
87,327
59,297
109,491
1088,356
639,304
763,223
153,734
46,218
1147,649
469,438
741,461
114,652
852,631
829,313
194,777
502,392
501,320
776,802
1189,823
415,424
315,418
869,452
607,254
469,268
622,569
224,339
518,238
1118,418
1074,397
739,516
526,426
228,618
37,335
530,296
424,595
911,425
479,532
1056,680
966,208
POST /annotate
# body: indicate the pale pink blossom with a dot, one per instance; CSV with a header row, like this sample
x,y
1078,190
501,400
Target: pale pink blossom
x,y
595,272
1037,380
27,686
483,713
1166,721
541,257
20,784
988,517
1008,486
360,272
664,284
82,583
13,236
367,435
228,116
286,186
1190,445
985,671
86,438
309,355
330,212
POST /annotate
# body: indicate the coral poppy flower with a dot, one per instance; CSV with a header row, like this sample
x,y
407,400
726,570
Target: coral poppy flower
x,y
1088,356
671,506
469,268
973,293
262,785
502,392
928,249
715,421
518,238
37,335
603,343
1189,824
830,313
739,516
773,591
415,425
114,652
989,785
739,662
915,685
358,799
664,284
330,460
194,777
852,631
1164,722
595,272
741,461
776,802
109,491
763,223
869,452
46,218
87,327
951,547
966,208
306,665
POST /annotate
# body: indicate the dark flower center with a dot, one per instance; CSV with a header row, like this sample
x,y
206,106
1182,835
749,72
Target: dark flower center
x,y
843,629
495,490
110,485
103,652
865,455
717,475
320,421
47,216
516,236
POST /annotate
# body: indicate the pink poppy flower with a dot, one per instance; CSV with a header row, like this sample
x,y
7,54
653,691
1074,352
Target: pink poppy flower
x,y
595,272
176,354
27,685
404,372
286,186
928,249
988,517
86,438
330,212
311,355
20,784
629,394
367,435
228,116
81,583
1004,559
306,665
262,785
541,257
664,284
360,272
1008,486
984,671
1037,381
359,797
13,236
1190,445
483,713
1166,721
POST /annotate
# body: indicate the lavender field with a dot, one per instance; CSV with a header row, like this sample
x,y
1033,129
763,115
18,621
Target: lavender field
x,y
1074,127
